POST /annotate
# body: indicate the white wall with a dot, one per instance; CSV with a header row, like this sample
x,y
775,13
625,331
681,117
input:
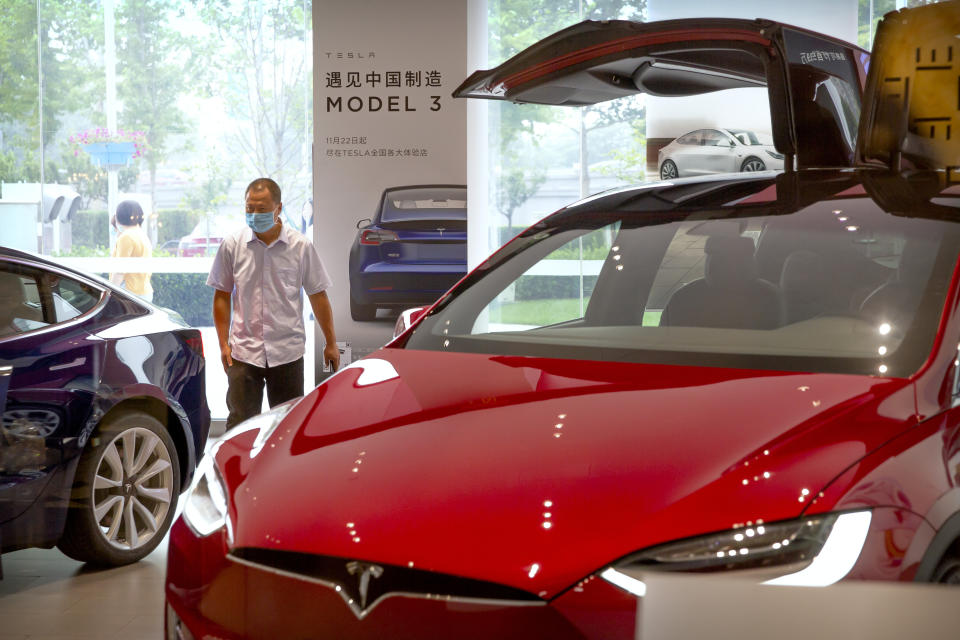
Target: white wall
x,y
381,36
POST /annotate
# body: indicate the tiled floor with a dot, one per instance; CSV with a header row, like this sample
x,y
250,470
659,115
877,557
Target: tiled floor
x,y
45,595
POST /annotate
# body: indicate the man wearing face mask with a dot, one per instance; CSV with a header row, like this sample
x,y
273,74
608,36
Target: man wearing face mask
x,y
261,270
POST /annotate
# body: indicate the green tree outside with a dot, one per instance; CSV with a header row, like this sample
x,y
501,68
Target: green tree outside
x,y
515,25
157,65
260,70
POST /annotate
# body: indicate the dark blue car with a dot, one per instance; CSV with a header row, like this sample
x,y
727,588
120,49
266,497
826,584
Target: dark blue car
x,y
104,413
412,251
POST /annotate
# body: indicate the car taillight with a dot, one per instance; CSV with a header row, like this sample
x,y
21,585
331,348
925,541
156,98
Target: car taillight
x,y
377,236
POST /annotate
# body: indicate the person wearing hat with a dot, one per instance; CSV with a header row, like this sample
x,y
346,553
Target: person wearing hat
x,y
132,242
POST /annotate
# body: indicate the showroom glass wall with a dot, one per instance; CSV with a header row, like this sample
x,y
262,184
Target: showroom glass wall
x,y
544,157
538,158
191,99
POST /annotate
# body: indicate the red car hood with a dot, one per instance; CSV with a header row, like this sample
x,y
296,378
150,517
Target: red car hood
x,y
536,472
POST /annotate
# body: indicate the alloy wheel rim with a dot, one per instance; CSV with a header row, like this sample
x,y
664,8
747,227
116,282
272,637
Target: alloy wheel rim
x,y
669,171
132,488
753,165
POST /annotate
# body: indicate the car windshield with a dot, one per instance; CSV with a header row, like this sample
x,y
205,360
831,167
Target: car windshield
x,y
434,203
837,286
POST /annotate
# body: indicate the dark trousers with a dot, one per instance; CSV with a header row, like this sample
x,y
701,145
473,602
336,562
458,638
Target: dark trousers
x,y
245,387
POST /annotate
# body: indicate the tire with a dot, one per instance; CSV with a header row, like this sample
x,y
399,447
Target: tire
x,y
753,163
948,570
668,170
362,312
122,504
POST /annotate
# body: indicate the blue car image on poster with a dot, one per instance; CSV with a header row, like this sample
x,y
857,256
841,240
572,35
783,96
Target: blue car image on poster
x,y
411,251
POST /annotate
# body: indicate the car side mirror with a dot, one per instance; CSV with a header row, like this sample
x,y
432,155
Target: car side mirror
x,y
362,224
406,319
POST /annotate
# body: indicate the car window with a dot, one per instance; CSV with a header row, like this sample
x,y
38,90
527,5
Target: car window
x,y
32,299
555,290
71,298
690,138
747,137
836,287
20,306
714,139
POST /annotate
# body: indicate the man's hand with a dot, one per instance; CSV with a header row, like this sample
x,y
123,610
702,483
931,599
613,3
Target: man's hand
x,y
226,356
331,354
221,320
320,304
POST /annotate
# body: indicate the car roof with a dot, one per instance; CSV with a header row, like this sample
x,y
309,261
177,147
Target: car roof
x,y
925,195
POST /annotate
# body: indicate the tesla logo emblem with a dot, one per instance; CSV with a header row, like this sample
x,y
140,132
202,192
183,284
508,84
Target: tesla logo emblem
x,y
365,571
441,230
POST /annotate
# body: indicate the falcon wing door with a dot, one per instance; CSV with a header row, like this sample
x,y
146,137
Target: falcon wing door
x,y
591,62
813,81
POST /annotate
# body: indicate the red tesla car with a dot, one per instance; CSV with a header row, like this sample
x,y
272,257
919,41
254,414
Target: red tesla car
x,y
754,374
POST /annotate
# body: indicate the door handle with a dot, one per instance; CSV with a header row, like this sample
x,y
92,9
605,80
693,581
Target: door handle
x,y
76,362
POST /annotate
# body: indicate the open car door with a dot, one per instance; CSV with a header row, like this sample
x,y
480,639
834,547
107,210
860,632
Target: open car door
x,y
814,82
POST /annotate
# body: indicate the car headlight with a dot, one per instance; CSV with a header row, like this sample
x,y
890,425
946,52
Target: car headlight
x,y
813,551
774,154
205,508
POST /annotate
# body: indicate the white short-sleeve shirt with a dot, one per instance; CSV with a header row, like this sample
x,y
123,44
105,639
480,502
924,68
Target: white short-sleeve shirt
x,y
264,282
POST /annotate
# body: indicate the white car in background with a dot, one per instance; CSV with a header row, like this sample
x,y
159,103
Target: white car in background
x,y
718,151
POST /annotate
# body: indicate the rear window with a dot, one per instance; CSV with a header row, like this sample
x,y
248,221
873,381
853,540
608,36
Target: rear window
x,y
437,203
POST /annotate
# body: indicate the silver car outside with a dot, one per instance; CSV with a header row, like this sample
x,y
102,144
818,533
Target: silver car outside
x,y
717,151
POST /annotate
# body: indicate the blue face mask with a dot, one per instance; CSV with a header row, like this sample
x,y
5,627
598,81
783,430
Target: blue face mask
x,y
261,222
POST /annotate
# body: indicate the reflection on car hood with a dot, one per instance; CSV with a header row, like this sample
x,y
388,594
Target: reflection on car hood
x,y
535,472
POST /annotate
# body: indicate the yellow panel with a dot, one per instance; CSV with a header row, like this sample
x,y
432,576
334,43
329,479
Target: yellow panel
x,y
912,105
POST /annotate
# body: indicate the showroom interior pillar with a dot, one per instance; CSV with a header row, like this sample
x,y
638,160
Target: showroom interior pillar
x,y
668,118
480,218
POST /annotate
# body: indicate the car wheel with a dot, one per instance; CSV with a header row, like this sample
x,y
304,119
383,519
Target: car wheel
x,y
362,312
948,571
753,164
125,492
668,170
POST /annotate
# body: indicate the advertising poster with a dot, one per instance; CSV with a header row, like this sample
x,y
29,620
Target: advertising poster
x,y
390,159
